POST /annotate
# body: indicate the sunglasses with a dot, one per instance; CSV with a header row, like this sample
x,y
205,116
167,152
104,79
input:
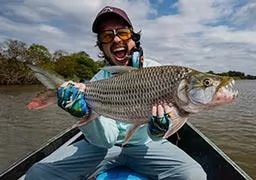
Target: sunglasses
x,y
108,35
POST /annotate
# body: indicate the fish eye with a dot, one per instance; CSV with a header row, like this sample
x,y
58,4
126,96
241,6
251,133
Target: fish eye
x,y
207,82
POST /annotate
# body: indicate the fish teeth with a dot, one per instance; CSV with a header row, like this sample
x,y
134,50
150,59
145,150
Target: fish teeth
x,y
230,86
229,90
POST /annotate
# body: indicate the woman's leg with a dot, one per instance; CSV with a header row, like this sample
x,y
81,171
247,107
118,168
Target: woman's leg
x,y
77,161
163,160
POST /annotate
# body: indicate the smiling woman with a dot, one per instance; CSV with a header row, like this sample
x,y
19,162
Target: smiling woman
x,y
115,38
105,135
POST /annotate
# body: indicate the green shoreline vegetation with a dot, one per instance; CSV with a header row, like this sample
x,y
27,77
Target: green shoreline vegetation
x,y
235,74
14,55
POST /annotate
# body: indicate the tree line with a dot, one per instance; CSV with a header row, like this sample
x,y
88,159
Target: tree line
x,y
234,74
14,55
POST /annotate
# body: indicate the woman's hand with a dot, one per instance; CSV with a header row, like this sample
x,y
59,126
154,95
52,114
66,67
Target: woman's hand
x,y
161,120
71,98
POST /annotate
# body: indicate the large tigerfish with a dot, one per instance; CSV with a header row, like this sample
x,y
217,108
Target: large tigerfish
x,y
129,95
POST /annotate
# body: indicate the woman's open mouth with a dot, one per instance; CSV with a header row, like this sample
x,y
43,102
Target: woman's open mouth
x,y
120,53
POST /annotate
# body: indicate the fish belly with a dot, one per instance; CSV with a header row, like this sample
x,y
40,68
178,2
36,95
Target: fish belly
x,y
130,97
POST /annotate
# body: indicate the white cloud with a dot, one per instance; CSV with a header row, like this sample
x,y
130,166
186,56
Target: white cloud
x,y
196,11
226,35
245,16
206,34
51,30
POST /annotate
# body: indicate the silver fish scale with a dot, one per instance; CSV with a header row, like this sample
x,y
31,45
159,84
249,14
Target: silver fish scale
x,y
129,97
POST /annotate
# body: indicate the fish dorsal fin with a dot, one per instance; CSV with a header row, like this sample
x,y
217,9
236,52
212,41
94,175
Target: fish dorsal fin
x,y
118,69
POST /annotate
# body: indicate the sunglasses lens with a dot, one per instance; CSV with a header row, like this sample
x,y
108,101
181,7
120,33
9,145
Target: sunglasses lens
x,y
108,36
124,34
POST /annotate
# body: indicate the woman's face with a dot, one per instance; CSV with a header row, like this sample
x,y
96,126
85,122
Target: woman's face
x,y
117,50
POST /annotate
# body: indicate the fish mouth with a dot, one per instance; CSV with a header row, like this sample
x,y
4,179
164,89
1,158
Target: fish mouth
x,y
119,52
225,94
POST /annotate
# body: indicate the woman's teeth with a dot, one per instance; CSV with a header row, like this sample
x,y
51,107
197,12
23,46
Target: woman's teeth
x,y
119,49
120,52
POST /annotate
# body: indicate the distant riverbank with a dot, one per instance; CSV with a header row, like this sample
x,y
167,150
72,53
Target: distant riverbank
x,y
17,73
14,55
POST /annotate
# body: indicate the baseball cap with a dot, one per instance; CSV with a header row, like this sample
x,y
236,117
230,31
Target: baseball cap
x,y
107,11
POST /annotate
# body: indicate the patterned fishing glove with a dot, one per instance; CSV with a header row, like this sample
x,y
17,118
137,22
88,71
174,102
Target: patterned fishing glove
x,y
160,120
72,100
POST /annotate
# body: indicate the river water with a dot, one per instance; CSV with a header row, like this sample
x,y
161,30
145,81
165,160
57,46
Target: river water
x,y
231,127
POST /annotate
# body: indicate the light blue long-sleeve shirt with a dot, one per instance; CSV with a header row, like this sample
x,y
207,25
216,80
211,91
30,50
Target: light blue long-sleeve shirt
x,y
106,132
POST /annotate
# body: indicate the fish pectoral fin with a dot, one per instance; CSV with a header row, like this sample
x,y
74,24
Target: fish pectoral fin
x,y
176,124
130,133
118,69
86,120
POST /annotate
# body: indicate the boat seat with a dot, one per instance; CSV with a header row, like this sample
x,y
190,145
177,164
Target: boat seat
x,y
120,173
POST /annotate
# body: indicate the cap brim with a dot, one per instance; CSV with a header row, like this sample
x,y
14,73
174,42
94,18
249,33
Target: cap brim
x,y
106,15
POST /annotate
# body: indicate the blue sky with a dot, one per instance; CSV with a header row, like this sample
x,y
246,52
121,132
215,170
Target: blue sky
x,y
207,35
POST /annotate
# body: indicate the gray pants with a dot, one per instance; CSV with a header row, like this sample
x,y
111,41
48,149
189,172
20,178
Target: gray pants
x,y
155,160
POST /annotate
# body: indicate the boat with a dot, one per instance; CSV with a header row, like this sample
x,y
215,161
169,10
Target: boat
x,y
215,162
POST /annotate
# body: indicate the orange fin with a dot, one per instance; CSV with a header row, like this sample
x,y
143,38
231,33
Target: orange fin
x,y
177,123
43,99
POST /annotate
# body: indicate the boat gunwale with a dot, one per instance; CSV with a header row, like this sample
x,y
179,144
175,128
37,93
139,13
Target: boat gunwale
x,y
44,150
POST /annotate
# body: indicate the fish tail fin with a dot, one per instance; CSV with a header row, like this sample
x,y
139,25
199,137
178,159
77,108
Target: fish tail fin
x,y
176,124
42,100
48,79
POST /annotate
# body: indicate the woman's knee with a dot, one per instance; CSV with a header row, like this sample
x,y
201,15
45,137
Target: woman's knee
x,y
36,172
184,172
45,171
194,173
